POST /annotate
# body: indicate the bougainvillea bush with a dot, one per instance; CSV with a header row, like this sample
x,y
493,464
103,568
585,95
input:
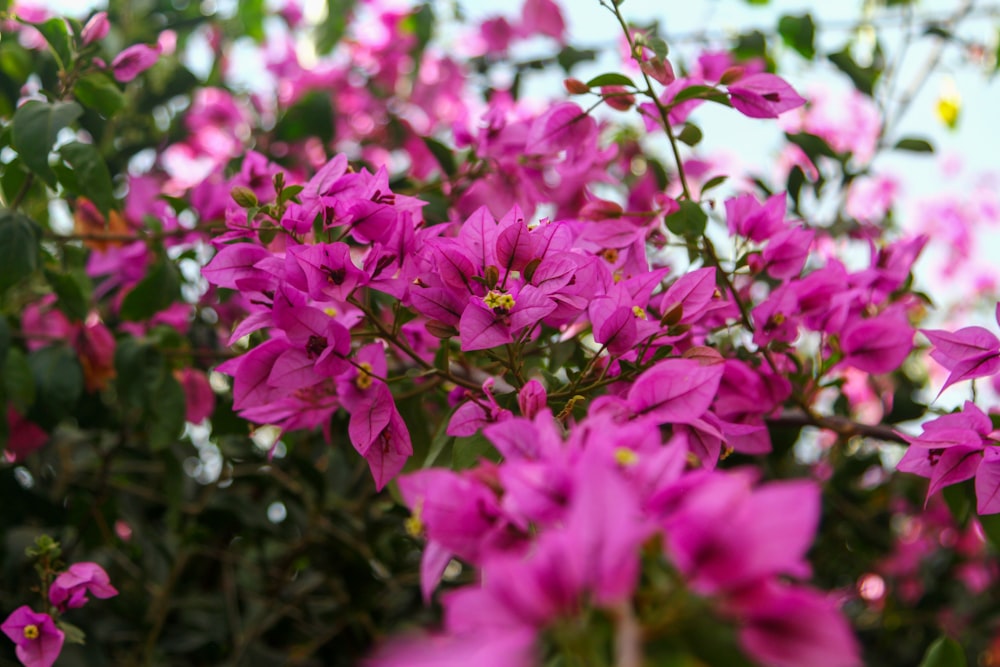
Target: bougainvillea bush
x,y
394,335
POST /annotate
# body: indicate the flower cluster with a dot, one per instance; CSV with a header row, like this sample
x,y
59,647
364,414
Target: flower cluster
x,y
39,636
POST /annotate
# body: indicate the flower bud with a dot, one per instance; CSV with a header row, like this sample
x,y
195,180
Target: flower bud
x,y
617,97
95,29
244,196
532,399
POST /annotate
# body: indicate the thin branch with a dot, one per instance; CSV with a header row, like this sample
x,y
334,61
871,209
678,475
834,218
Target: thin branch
x,y
843,426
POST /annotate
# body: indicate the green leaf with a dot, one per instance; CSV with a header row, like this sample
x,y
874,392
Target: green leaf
x,y
443,155
991,526
961,500
56,33
73,634
18,382
98,92
92,175
19,248
467,451
58,380
659,46
72,301
311,116
690,220
155,292
610,79
750,45
251,14
812,145
700,93
138,366
713,182
690,134
914,144
799,32
945,652
438,443
4,339
864,78
570,57
333,26
289,192
36,126
166,412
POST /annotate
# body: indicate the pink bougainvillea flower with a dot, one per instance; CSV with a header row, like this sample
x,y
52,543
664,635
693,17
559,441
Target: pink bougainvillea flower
x,y
70,589
199,399
956,447
542,17
759,222
676,391
786,252
36,636
763,96
133,61
969,353
878,344
24,436
476,413
493,319
791,626
727,535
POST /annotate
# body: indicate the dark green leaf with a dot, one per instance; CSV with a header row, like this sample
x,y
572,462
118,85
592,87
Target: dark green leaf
x,y
98,92
443,155
945,652
864,78
166,412
751,45
56,33
938,31
19,248
311,116
18,383
813,146
155,292
4,339
438,443
799,32
92,176
961,499
138,367
610,79
991,526
36,125
467,451
72,301
58,380
914,144
690,220
569,57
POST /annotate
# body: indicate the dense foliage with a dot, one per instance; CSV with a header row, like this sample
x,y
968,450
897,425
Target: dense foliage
x,y
380,359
